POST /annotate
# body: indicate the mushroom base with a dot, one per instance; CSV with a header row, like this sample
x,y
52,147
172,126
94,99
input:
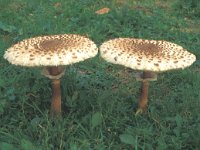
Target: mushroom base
x,y
145,77
55,73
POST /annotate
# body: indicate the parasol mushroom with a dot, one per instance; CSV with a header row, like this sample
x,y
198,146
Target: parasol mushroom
x,y
53,53
149,56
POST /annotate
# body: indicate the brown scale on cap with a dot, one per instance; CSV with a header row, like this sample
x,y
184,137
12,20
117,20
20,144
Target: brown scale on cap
x,y
147,55
51,50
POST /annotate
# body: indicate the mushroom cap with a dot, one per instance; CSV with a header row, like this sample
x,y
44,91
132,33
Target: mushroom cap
x,y
53,50
146,55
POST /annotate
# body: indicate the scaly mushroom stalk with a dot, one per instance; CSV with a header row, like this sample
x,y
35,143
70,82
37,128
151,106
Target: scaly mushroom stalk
x,y
145,78
56,97
144,96
54,74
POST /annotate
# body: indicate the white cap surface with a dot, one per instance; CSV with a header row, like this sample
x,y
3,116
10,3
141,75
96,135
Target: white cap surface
x,y
147,55
53,50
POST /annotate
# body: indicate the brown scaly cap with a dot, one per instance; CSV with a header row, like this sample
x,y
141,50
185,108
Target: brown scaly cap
x,y
53,50
147,55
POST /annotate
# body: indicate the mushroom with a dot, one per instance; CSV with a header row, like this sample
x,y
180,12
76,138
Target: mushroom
x,y
53,53
149,56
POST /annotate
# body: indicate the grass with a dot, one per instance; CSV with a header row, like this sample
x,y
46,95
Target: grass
x,y
99,98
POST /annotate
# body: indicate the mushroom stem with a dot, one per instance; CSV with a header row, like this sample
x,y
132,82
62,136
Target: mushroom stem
x,y
55,73
144,96
56,98
148,75
145,78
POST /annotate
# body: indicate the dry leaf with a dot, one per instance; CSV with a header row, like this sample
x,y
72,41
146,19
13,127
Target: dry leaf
x,y
56,5
104,10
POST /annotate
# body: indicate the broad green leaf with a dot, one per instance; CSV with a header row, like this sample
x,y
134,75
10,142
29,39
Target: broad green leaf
x,y
127,139
96,119
7,28
6,146
179,120
35,121
161,144
75,96
3,103
27,145
73,146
